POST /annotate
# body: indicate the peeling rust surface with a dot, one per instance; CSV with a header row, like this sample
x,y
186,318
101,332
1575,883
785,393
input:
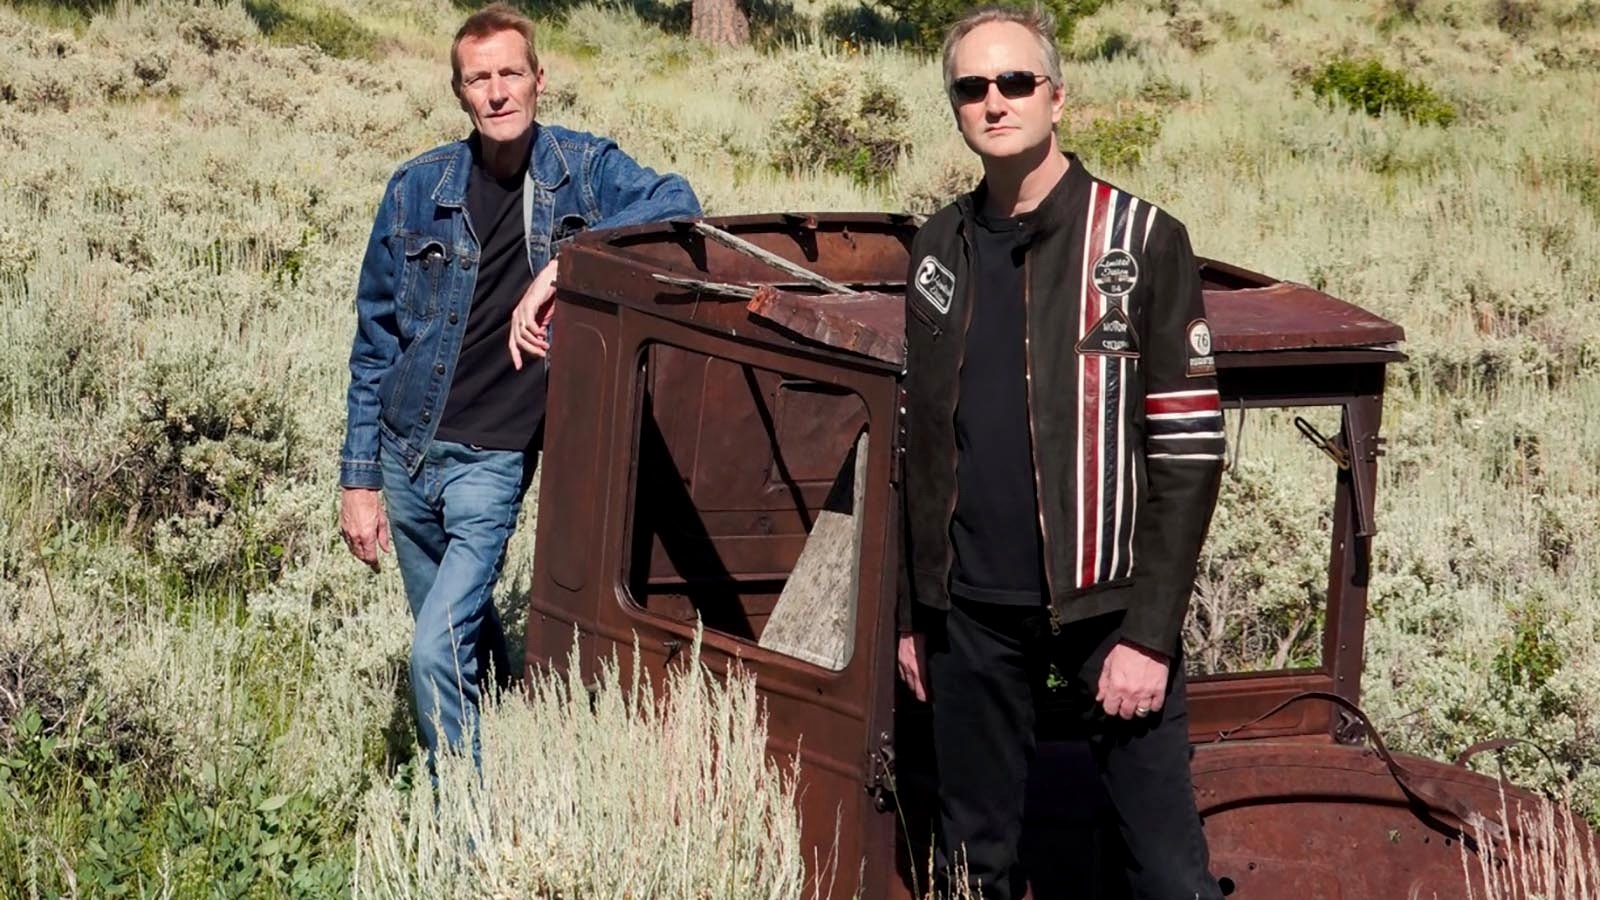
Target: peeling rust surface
x,y
869,323
1288,819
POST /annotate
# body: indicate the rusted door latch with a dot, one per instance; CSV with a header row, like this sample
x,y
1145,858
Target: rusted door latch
x,y
1365,447
1334,447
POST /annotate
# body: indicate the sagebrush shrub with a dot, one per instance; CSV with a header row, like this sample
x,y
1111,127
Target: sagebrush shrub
x,y
845,121
1116,141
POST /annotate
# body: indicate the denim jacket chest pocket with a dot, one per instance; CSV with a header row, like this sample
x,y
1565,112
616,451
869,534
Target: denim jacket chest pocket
x,y
424,276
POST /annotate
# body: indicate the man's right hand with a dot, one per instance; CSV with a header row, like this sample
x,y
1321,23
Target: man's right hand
x,y
364,524
911,660
530,321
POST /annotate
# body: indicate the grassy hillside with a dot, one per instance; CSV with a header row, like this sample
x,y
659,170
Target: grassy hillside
x,y
199,687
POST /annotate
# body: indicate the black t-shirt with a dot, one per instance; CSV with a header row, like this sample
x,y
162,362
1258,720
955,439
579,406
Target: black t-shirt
x,y
491,404
995,532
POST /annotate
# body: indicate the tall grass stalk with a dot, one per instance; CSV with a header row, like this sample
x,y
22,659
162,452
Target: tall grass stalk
x,y
1550,855
599,790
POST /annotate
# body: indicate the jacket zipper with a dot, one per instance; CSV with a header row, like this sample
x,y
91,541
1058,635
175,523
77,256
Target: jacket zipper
x,y
955,458
1033,439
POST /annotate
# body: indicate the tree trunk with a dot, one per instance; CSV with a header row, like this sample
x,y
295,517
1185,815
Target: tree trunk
x,y
720,22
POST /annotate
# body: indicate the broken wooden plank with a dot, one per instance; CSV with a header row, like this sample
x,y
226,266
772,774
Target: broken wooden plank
x,y
815,617
772,259
739,291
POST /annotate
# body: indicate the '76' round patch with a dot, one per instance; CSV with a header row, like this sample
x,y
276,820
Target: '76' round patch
x,y
1201,361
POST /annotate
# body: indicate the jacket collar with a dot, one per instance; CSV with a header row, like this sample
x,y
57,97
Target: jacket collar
x,y
1053,211
547,167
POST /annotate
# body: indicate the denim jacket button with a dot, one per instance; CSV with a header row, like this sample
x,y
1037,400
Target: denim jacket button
x,y
466,262
427,416
454,318
438,368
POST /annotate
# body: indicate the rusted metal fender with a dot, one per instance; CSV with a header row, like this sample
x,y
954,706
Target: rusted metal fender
x,y
1310,820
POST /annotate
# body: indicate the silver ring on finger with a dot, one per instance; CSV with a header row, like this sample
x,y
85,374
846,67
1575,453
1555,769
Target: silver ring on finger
x,y
1141,711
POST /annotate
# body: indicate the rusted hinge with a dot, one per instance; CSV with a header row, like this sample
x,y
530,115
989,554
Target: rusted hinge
x,y
880,782
899,436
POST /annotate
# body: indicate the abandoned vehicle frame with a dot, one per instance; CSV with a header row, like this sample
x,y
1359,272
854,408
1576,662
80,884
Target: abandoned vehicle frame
x,y
724,407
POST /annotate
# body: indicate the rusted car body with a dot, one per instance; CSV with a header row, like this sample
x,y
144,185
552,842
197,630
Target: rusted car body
x,y
725,455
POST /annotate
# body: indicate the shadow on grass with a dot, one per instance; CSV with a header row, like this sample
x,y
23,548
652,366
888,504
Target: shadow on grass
x,y
331,31
73,14
772,22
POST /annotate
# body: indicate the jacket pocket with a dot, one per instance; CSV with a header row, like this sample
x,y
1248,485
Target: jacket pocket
x,y
427,259
924,317
567,228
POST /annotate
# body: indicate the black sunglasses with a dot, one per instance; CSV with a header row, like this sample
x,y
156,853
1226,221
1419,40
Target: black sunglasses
x,y
972,88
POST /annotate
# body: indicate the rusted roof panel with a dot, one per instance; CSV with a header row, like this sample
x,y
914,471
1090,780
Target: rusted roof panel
x,y
1287,316
1282,316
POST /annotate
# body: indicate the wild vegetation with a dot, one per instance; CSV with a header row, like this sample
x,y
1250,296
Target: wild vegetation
x,y
202,695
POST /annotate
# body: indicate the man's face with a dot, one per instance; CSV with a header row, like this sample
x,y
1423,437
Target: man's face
x,y
996,126
498,88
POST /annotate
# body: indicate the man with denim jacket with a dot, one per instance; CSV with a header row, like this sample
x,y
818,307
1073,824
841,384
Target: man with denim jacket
x,y
447,372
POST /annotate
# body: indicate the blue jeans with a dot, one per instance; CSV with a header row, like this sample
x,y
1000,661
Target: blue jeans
x,y
450,524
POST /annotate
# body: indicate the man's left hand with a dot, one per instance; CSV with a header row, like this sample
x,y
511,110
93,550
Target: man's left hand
x,y
530,321
1133,681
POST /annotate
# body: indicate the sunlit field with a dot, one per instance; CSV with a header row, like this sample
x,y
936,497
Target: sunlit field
x,y
201,694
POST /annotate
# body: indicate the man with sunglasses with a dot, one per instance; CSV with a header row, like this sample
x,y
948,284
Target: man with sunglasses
x,y
1063,453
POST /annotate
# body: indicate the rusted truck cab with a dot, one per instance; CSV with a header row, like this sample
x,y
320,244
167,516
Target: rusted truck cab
x,y
722,448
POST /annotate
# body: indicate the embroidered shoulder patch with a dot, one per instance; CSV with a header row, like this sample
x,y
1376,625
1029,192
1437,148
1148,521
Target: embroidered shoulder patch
x,y
1201,361
935,283
1113,335
1115,273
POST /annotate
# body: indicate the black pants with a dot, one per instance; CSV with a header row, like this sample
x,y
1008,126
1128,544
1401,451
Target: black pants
x,y
988,666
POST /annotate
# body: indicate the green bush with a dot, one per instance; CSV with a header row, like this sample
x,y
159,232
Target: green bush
x,y
928,19
1115,142
1373,88
848,122
102,835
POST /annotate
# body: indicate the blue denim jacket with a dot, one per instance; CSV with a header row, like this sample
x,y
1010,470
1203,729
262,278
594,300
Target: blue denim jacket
x,y
421,267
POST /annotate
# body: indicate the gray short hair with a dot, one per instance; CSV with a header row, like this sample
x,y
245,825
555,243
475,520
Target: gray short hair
x,y
1038,20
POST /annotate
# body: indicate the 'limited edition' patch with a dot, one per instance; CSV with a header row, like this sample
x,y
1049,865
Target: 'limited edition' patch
x,y
1201,360
935,283
1115,273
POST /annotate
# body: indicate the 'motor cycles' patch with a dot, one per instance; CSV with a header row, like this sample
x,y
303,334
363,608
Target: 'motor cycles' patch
x,y
1113,335
935,283
1201,360
1115,273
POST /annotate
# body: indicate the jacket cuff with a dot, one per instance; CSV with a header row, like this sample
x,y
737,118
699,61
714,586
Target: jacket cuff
x,y
1154,619
365,474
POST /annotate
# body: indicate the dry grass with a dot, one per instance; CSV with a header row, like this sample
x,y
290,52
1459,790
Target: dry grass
x,y
598,791
1551,856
